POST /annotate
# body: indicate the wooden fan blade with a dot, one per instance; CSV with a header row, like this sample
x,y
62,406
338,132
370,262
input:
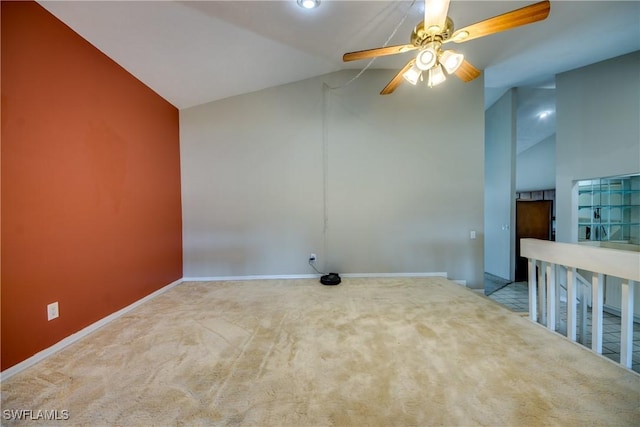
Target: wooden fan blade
x,y
516,18
435,14
397,79
380,51
467,72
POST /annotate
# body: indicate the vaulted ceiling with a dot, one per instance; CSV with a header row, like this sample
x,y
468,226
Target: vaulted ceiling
x,y
194,52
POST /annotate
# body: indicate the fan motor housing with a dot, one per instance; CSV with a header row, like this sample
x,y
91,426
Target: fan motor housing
x,y
420,37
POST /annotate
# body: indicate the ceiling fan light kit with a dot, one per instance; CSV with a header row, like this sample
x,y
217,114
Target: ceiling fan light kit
x,y
426,58
436,76
451,60
437,29
433,59
412,75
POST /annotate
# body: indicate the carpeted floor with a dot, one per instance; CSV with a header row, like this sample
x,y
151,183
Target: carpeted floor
x,y
376,352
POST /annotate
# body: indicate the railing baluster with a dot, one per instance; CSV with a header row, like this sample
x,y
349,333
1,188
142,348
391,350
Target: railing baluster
x,y
571,303
542,292
626,336
551,296
533,308
583,314
558,292
596,312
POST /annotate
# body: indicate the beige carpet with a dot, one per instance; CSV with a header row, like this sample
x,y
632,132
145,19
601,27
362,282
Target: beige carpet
x,y
369,352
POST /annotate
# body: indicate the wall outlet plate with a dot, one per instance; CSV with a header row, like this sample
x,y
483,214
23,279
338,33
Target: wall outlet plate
x,y
53,311
312,257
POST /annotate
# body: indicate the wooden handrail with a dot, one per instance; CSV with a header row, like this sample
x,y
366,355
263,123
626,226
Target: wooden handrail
x,y
612,262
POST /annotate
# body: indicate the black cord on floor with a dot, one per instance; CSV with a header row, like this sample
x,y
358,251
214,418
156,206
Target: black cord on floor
x,y
314,267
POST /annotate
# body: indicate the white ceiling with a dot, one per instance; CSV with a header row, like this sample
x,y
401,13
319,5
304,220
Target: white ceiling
x,y
194,52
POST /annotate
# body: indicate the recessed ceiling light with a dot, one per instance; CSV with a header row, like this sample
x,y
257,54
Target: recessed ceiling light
x,y
308,4
544,114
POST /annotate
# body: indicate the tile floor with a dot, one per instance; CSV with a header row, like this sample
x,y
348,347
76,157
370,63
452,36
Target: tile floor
x,y
515,296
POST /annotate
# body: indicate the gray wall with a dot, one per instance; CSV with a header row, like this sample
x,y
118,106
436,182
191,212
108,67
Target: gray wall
x,y
372,184
536,166
598,131
499,210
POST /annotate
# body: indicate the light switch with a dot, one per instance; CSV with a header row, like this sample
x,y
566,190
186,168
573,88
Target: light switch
x,y
472,234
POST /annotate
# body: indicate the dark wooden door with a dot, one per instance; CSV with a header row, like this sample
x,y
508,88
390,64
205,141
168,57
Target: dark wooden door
x,y
533,220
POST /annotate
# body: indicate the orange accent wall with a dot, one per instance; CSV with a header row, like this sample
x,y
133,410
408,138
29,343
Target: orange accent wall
x,y
91,210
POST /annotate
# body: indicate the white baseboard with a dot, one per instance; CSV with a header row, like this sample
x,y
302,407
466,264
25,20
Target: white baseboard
x,y
394,275
310,276
7,373
242,278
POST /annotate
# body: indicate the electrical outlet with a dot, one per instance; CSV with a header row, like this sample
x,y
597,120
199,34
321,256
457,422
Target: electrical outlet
x,y
53,311
312,257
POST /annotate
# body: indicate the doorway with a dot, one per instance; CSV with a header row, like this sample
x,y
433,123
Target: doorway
x,y
533,220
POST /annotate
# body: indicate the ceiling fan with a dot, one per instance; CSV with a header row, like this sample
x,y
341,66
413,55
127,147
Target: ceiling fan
x,y
437,29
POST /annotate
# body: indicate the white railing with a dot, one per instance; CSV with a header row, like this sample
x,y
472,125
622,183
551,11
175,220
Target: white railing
x,y
583,296
544,257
